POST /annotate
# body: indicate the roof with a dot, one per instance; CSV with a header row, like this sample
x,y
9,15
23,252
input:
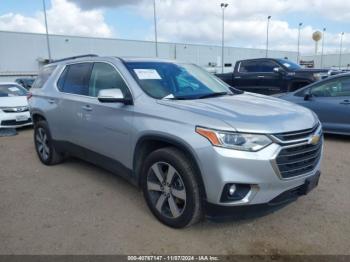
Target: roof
x,y
336,76
147,59
261,58
91,57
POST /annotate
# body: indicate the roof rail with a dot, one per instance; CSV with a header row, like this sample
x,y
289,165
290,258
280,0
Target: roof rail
x,y
73,57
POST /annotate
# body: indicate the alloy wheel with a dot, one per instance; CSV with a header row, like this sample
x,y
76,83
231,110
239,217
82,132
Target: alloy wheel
x,y
42,143
166,190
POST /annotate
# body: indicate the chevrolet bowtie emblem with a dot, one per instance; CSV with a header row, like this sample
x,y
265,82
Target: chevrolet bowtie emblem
x,y
314,140
19,109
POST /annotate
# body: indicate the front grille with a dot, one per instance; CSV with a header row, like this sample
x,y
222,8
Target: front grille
x,y
15,109
295,135
14,122
298,160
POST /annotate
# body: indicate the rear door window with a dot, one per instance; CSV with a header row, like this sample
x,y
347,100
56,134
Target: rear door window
x,y
75,79
43,76
249,67
344,90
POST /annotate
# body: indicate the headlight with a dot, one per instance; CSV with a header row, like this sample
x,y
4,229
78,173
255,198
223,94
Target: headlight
x,y
233,140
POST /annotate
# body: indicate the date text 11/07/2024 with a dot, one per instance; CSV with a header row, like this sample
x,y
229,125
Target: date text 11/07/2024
x,y
173,258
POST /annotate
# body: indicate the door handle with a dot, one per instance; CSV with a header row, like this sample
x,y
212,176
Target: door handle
x,y
87,108
261,76
345,102
51,101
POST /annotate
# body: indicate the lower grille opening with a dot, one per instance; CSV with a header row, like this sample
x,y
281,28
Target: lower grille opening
x,y
14,122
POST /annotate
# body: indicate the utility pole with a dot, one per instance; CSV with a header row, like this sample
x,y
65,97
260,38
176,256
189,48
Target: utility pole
x,y
323,34
47,32
223,7
267,36
341,47
299,29
155,27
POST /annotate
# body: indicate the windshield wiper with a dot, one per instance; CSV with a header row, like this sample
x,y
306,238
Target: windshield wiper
x,y
198,96
213,95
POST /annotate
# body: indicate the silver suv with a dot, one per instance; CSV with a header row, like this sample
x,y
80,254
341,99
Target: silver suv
x,y
195,145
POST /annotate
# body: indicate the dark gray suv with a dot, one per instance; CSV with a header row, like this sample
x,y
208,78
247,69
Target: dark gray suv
x,y
195,145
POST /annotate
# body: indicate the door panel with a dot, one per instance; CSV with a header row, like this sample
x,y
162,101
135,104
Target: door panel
x,y
331,102
72,85
333,115
107,126
246,76
269,80
106,129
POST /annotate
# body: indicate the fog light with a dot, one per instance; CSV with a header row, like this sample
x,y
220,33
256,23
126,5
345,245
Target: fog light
x,y
232,190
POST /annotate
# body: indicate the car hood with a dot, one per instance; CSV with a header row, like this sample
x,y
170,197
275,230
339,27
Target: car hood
x,y
279,95
13,101
248,113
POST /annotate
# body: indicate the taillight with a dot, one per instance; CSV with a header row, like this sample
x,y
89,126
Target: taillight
x,y
29,96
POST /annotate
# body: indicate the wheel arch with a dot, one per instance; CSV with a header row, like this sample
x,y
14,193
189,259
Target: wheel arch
x,y
37,116
149,143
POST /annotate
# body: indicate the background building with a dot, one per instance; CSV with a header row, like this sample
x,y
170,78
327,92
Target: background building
x,y
22,54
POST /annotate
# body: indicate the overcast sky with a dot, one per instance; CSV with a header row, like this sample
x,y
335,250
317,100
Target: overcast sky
x,y
188,21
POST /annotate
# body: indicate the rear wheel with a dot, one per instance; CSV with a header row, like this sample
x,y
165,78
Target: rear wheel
x,y
44,145
170,188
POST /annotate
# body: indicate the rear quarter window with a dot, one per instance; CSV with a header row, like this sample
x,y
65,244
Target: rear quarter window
x,y
75,79
43,76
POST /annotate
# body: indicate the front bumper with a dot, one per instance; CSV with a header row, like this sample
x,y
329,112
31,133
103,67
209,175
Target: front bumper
x,y
256,169
15,120
219,212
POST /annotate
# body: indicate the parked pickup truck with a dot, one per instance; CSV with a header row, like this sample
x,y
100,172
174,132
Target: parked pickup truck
x,y
270,76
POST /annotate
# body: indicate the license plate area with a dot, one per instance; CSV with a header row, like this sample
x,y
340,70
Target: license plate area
x,y
310,184
21,118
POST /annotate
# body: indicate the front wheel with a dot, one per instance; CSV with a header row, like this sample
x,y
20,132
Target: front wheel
x,y
171,189
44,145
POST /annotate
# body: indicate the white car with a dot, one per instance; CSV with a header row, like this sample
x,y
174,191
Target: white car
x,y
14,110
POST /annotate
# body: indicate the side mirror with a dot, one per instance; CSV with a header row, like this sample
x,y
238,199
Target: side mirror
x,y
276,70
114,95
308,95
279,71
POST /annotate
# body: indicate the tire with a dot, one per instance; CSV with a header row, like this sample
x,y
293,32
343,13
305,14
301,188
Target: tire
x,y
44,145
170,187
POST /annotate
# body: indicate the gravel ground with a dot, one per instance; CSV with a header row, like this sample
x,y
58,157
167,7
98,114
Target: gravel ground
x,y
76,208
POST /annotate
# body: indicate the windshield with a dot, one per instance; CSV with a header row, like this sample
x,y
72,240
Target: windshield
x,y
12,90
289,64
176,81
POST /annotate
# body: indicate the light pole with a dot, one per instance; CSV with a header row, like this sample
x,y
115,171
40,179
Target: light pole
x,y
267,36
341,47
47,32
323,34
155,27
299,29
223,6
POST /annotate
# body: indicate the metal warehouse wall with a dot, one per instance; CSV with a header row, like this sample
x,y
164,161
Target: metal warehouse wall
x,y
21,53
329,60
